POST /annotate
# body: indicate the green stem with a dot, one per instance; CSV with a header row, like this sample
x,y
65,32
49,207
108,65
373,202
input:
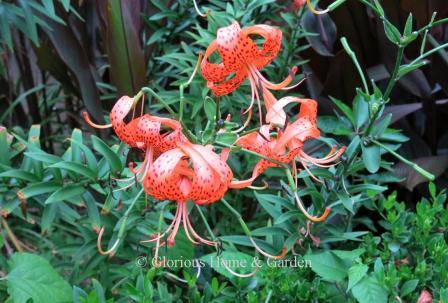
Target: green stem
x,y
148,90
435,23
212,235
240,219
181,102
126,215
393,79
185,130
420,170
428,53
352,55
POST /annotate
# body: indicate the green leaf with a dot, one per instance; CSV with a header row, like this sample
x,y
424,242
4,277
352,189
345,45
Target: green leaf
x,y
108,153
408,26
20,174
345,109
408,287
92,163
72,53
122,40
43,157
371,157
407,68
334,125
368,290
361,110
329,266
355,274
38,189
392,33
4,147
227,138
30,21
66,192
32,277
76,168
349,254
210,109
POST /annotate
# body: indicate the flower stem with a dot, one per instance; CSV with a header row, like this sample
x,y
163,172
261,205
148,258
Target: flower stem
x,y
352,55
393,78
210,231
186,131
420,170
238,216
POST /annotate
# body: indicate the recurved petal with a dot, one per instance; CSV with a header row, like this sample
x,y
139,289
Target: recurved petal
x,y
215,72
236,49
205,181
259,168
297,133
271,45
228,86
167,178
118,113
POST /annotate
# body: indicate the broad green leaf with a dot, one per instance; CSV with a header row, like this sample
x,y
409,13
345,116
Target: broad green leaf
x,y
371,157
32,277
349,254
392,32
345,109
355,274
360,110
328,266
210,109
408,287
66,192
368,290
334,125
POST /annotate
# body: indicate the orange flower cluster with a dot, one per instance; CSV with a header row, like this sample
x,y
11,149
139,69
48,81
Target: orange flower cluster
x,y
174,168
178,170
241,59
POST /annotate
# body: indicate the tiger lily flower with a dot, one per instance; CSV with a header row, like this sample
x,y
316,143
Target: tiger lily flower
x,y
241,59
188,172
143,131
152,134
287,145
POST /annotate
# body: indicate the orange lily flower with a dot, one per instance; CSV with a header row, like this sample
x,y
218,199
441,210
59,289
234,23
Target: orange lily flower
x,y
188,172
241,59
143,131
287,145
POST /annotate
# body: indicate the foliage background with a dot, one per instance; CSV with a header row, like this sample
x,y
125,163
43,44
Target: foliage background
x,y
387,237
